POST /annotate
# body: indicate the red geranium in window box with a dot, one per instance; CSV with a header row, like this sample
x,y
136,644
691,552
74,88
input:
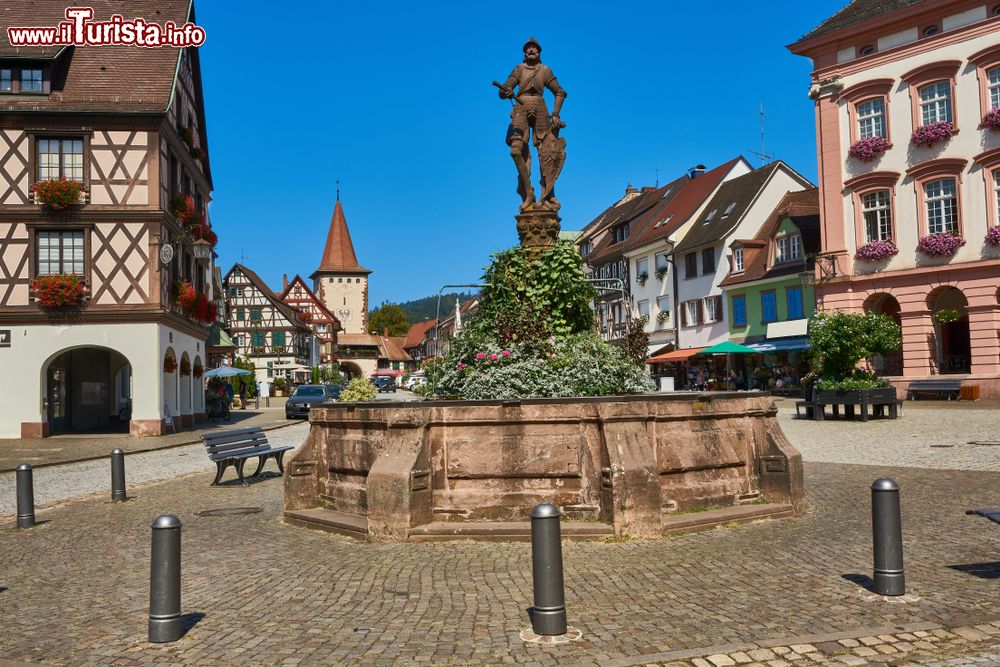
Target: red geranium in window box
x,y
57,291
198,369
185,367
57,193
185,295
169,364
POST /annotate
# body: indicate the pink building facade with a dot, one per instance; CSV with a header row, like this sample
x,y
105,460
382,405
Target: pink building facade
x,y
909,177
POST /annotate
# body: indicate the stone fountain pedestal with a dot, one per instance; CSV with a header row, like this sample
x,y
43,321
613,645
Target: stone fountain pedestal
x,y
615,465
538,229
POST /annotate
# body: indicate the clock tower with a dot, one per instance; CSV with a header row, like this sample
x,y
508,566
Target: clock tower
x,y
340,282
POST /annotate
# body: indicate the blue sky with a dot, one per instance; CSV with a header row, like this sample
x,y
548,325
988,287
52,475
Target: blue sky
x,y
394,100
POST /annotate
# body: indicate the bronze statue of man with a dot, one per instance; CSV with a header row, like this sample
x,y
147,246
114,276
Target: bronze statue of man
x,y
530,116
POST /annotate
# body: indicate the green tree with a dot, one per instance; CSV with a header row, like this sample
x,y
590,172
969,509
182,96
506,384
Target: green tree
x,y
250,380
840,340
388,316
358,389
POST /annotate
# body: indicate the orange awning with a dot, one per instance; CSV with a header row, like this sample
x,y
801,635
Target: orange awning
x,y
676,355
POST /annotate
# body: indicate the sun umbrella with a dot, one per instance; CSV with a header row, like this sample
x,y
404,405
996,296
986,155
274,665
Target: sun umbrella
x,y
727,348
225,372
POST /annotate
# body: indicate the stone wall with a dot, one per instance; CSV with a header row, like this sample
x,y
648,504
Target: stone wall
x,y
628,461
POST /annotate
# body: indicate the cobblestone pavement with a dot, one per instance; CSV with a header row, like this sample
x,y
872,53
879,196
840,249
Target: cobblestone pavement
x,y
931,434
275,594
62,482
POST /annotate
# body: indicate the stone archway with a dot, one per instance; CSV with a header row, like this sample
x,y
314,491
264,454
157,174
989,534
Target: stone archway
x,y
350,370
952,339
883,303
185,381
87,388
171,400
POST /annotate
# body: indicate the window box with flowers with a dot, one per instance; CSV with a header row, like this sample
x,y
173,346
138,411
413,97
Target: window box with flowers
x,y
868,149
185,367
945,316
198,370
58,193
930,134
993,236
642,278
991,120
662,317
874,251
169,364
942,244
193,304
661,273
57,291
187,136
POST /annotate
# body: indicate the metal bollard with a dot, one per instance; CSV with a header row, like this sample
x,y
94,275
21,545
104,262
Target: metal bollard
x,y
165,580
25,497
549,610
887,538
118,475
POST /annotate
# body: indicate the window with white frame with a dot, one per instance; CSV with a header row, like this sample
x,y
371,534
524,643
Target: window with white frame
x,y
60,158
641,268
692,312
60,252
661,260
737,260
789,248
994,87
935,102
642,308
871,118
663,304
878,215
712,309
996,190
942,206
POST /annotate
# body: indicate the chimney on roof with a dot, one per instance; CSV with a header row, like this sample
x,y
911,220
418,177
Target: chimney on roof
x,y
697,170
647,188
284,281
629,189
385,332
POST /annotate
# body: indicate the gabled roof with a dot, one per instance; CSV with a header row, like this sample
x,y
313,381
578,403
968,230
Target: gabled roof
x,y
392,348
683,205
638,213
292,314
312,295
803,209
857,11
117,79
736,197
417,333
338,255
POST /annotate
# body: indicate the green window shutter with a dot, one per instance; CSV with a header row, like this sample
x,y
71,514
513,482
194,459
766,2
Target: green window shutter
x,y
258,338
255,315
278,337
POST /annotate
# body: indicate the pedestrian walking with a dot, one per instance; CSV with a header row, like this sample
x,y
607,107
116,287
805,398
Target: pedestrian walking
x,y
243,395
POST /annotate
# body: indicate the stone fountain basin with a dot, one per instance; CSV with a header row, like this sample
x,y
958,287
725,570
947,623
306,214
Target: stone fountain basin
x,y
637,465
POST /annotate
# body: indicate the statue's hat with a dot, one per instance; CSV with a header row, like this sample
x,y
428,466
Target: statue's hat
x,y
532,40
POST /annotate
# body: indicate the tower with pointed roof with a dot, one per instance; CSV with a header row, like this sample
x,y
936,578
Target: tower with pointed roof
x,y
340,282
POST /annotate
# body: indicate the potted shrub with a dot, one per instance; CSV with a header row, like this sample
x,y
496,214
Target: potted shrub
x,y
662,317
946,315
868,149
993,236
279,386
57,291
992,119
942,244
930,134
874,251
169,364
57,193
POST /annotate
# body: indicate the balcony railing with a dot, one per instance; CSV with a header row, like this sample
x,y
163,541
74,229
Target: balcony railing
x,y
889,366
951,364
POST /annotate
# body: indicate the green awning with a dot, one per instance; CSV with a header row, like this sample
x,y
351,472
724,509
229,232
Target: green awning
x,y
728,347
219,338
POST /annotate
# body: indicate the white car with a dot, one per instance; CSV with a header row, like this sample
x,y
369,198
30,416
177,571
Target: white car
x,y
413,381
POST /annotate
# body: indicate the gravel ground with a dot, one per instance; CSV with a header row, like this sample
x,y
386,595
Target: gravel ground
x,y
58,483
929,435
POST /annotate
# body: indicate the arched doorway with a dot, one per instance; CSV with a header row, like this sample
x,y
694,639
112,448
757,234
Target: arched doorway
x,y
87,389
198,386
882,303
350,370
170,372
952,342
185,387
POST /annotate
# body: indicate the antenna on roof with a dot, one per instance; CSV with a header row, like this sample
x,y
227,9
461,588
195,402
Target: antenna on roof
x,y
763,154
657,178
338,189
243,257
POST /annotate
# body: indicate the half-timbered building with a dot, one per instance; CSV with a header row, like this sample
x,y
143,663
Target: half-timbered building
x,y
100,148
265,329
323,323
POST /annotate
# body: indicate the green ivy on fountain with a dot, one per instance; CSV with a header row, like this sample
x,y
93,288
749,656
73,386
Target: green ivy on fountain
x,y
534,336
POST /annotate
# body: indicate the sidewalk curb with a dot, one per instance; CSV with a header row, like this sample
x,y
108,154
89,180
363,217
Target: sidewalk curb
x,y
186,443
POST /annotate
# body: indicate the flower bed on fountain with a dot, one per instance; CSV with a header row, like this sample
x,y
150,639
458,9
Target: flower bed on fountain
x,y
531,406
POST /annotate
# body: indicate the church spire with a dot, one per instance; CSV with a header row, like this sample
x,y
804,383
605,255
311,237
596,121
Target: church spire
x,y
338,255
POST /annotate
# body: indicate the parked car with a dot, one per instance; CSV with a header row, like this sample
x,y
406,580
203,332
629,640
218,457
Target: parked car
x,y
413,381
307,396
384,384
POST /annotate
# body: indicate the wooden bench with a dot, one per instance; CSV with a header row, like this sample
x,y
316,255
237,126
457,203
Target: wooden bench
x,y
991,514
233,448
809,407
950,388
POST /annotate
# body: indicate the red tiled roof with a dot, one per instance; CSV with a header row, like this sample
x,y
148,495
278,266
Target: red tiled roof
x,y
294,315
392,346
415,336
312,295
118,79
338,255
856,12
800,204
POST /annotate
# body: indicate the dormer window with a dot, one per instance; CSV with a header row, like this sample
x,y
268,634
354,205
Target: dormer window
x,y
586,248
31,80
737,260
6,81
619,234
729,209
711,215
788,248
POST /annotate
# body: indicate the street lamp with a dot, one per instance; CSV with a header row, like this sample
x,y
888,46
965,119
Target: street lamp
x,y
202,250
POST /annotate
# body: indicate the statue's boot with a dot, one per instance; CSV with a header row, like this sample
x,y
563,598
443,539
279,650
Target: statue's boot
x,y
529,200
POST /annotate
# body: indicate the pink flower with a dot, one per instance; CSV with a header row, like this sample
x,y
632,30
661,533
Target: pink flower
x,y
928,135
868,149
505,353
480,355
493,357
461,367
